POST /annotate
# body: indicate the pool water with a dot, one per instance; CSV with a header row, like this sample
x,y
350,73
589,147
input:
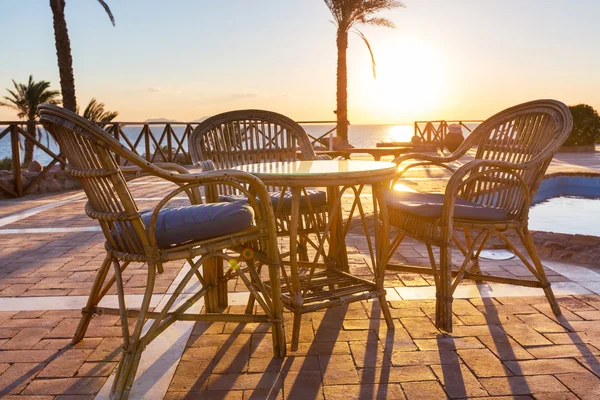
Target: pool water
x,y
566,214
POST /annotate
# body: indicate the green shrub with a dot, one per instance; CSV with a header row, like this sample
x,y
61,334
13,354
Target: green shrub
x,y
6,163
586,126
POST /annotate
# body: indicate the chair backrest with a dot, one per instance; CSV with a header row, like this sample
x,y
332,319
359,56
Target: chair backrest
x,y
248,136
528,134
90,154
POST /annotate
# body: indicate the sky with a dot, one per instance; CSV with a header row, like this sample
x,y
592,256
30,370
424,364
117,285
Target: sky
x,y
189,59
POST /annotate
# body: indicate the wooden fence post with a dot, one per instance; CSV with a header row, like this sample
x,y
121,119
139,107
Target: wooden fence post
x,y
16,159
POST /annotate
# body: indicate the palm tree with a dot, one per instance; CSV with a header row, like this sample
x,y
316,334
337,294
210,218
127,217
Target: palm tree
x,y
346,14
63,51
25,99
95,111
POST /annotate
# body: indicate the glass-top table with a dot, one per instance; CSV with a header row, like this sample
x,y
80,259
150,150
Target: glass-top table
x,y
326,281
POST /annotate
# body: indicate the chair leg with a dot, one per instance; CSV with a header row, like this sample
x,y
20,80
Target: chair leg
x,y
443,294
132,351
93,300
530,248
296,331
251,299
278,330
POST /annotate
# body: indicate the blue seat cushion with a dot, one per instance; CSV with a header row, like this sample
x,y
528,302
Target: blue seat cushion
x,y
429,205
317,198
179,225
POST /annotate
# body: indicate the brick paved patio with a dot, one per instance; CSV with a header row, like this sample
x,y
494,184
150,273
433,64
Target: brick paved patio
x,y
506,342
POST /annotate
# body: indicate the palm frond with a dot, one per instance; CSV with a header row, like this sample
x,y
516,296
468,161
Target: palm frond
x,y
108,11
378,21
373,64
27,97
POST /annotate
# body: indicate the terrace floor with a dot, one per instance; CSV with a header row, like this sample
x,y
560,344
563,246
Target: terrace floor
x,y
506,342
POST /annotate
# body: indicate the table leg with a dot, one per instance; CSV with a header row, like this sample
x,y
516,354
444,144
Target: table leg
x,y
382,232
337,242
295,291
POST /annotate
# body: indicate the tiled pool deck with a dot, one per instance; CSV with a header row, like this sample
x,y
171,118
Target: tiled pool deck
x,y
506,342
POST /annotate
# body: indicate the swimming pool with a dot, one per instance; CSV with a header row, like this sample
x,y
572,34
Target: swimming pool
x,y
566,214
567,204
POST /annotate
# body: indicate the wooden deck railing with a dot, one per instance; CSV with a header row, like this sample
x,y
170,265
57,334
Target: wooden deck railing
x,y
436,131
154,141
160,141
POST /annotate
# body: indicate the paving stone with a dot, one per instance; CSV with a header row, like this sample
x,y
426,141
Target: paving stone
x,y
302,385
483,363
290,363
216,395
338,370
448,343
541,323
554,396
424,357
108,350
366,392
519,385
65,386
423,390
232,359
191,376
369,355
505,348
15,378
31,323
27,356
266,380
458,381
562,351
8,333
420,327
544,367
276,394
345,336
476,330
584,385
28,314
96,369
321,349
525,335
27,338
66,364
395,374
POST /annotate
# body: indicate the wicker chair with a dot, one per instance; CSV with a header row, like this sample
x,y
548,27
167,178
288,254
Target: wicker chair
x,y
253,136
196,234
485,196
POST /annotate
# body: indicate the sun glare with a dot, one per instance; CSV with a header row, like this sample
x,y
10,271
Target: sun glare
x,y
411,80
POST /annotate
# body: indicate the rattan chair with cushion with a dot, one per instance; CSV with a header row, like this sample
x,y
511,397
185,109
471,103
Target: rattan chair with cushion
x,y
252,136
488,196
243,233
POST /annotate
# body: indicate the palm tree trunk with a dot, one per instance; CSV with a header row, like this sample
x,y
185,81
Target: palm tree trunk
x,y
342,85
63,52
28,156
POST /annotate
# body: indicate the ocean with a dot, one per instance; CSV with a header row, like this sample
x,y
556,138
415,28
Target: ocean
x,y
358,136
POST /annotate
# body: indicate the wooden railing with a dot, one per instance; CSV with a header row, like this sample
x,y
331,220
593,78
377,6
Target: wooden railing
x,y
435,131
167,143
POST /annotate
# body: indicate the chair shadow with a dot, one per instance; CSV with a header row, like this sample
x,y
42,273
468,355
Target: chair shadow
x,y
371,353
299,390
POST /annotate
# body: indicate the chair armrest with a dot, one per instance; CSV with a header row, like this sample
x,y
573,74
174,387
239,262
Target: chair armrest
x,y
471,171
246,183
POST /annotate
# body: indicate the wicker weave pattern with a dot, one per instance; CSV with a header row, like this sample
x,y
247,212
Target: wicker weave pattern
x,y
91,154
253,136
514,149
